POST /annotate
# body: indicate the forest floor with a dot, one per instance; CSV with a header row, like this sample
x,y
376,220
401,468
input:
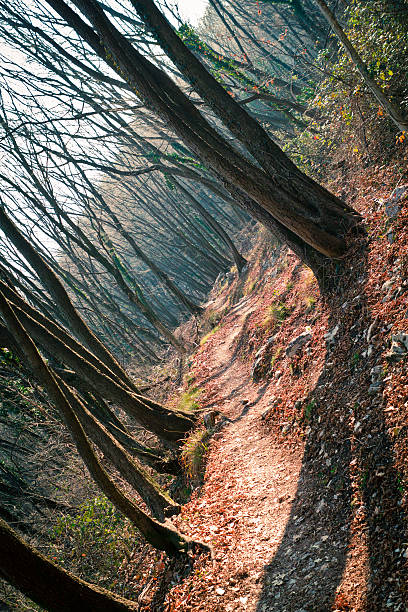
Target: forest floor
x,y
304,496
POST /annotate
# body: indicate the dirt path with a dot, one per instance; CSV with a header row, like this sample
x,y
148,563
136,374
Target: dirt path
x,y
250,483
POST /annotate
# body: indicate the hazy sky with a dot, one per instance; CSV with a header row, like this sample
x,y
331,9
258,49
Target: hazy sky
x,y
192,10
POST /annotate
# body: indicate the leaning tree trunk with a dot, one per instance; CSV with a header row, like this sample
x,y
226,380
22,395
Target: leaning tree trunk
x,y
157,500
58,292
48,585
167,423
391,109
161,535
239,260
303,207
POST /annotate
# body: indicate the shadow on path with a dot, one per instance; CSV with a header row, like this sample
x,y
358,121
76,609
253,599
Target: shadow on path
x,y
347,430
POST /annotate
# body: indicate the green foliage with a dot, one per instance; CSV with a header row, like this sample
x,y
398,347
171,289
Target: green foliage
x,y
310,303
355,359
189,379
189,400
7,357
364,479
208,336
346,112
214,317
93,542
308,410
400,484
193,451
276,314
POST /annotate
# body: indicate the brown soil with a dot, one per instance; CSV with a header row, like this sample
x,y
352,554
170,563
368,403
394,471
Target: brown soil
x,y
246,500
305,509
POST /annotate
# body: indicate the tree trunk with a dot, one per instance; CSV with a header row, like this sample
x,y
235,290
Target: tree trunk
x,y
237,257
48,585
305,208
159,503
60,295
166,423
161,535
393,111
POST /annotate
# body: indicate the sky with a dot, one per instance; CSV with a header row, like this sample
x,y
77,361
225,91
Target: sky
x,y
192,10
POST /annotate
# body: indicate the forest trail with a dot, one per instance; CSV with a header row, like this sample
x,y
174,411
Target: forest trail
x,y
250,482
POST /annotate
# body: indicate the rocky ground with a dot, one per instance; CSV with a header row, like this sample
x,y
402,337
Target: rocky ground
x,y
304,496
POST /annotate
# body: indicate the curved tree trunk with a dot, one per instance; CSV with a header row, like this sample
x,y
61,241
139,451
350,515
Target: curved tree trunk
x,y
161,535
152,494
57,290
67,340
294,200
166,423
48,585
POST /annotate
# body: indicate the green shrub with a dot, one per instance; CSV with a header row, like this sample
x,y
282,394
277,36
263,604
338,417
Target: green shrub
x,y
93,542
193,451
214,317
276,314
189,399
310,303
208,336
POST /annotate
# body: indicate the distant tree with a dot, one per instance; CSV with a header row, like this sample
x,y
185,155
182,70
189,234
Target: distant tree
x,y
304,215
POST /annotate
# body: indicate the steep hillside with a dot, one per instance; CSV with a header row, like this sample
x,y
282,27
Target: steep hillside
x,y
304,494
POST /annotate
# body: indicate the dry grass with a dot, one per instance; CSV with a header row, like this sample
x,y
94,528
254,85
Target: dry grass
x,y
193,452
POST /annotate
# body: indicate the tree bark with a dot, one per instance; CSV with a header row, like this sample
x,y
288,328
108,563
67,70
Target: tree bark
x,y
167,424
60,295
156,499
161,535
48,585
320,219
394,113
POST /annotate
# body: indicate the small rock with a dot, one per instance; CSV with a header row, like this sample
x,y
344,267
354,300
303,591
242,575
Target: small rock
x,y
387,285
399,347
330,337
391,205
297,343
266,413
402,339
257,369
220,591
371,329
376,372
209,419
